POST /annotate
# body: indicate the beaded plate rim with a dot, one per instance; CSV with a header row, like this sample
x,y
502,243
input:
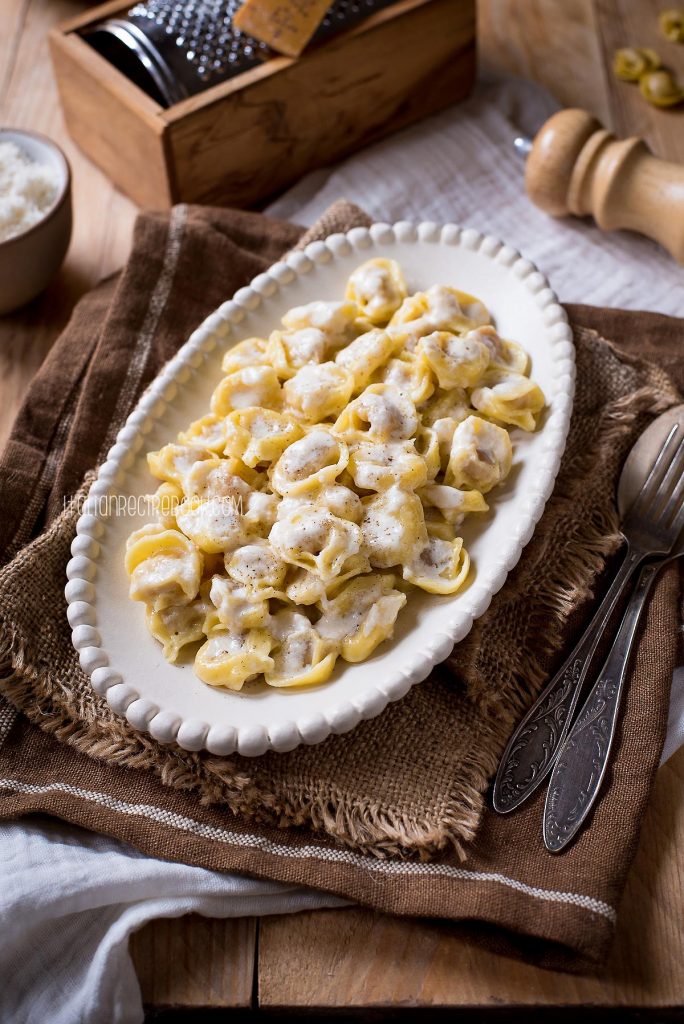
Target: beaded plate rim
x,y
341,716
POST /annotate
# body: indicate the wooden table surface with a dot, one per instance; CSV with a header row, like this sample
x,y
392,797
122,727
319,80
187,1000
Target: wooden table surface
x,y
355,959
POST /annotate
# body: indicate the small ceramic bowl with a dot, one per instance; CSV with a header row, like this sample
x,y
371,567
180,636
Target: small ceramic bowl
x,y
30,260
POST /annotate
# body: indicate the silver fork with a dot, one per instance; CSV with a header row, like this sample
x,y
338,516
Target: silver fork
x,y
533,748
652,527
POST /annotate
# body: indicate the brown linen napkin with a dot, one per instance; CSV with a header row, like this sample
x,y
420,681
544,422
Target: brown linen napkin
x,y
410,782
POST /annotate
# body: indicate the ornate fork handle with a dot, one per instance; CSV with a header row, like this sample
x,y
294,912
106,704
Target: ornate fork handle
x,y
533,747
582,762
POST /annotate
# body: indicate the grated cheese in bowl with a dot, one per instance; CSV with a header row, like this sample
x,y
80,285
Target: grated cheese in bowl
x,y
27,190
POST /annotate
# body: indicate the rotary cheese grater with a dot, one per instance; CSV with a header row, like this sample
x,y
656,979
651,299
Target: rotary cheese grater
x,y
174,49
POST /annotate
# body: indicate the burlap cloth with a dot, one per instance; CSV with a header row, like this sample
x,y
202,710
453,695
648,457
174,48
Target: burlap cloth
x,y
394,813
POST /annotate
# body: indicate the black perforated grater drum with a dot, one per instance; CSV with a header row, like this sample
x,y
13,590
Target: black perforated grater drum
x,y
174,49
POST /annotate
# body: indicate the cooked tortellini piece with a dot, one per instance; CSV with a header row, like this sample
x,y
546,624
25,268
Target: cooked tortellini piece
x,y
207,432
378,288
260,435
393,526
316,540
328,481
509,398
427,443
375,466
173,461
340,322
441,567
319,391
453,503
365,355
216,478
259,512
164,503
300,656
440,308
234,605
164,566
381,413
481,455
503,354
342,501
214,524
457,361
289,351
410,376
178,625
250,352
245,388
361,615
315,460
258,569
230,657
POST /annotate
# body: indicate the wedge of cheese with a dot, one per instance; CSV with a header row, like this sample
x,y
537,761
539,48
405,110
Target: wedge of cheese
x,y
284,25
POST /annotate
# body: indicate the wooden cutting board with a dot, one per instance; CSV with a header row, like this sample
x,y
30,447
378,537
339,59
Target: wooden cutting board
x,y
635,23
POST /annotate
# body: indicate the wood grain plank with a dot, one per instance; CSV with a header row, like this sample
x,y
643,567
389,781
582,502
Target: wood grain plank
x,y
553,44
635,23
358,958
11,28
196,961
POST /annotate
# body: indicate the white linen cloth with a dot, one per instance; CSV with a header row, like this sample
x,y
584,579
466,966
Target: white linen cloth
x,y
70,899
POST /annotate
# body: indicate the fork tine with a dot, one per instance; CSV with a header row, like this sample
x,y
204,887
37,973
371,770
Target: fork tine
x,y
674,507
669,485
643,500
652,482
678,522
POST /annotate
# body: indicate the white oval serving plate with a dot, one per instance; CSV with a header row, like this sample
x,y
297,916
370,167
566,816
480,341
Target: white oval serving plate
x,y
126,664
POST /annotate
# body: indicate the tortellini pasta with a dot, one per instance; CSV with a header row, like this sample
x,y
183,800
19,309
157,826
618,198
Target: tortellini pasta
x,y
164,565
214,524
315,460
300,655
378,288
361,615
381,413
362,357
319,391
329,480
375,467
457,361
230,657
509,398
245,388
393,527
440,308
259,435
179,624
481,455
316,540
441,566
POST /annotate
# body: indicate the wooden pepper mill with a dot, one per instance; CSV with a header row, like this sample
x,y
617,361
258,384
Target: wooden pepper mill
x,y
576,166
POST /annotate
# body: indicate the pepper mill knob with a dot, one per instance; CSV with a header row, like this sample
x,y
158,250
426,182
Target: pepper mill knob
x,y
576,166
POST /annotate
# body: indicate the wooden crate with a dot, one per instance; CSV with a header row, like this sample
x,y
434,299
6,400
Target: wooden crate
x,y
246,139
